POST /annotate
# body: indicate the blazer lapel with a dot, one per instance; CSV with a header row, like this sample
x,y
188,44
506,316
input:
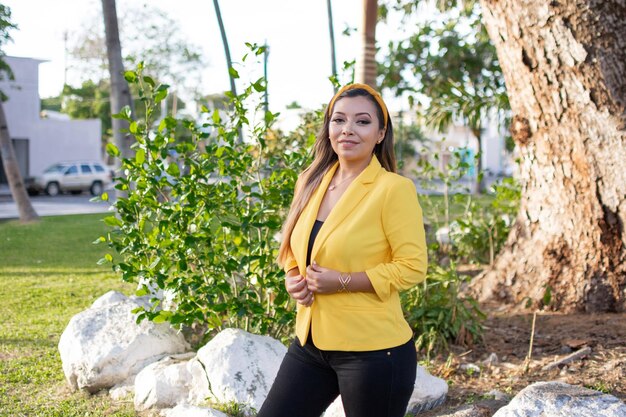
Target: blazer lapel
x,y
346,204
307,219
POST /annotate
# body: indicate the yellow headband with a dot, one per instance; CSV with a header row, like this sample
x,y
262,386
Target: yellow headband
x,y
367,88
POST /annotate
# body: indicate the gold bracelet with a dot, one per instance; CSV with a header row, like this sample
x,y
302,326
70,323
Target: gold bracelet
x,y
344,281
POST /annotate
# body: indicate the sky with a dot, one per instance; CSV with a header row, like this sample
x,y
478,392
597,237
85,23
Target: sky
x,y
295,30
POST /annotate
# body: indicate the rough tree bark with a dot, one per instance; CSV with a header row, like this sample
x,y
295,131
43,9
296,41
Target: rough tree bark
x,y
16,184
564,63
366,70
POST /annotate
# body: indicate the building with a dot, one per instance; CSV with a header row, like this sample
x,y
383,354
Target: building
x,y
41,142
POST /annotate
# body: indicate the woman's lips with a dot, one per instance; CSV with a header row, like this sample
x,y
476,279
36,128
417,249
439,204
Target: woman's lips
x,y
347,143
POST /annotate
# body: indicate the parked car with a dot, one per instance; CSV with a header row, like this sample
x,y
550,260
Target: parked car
x,y
74,177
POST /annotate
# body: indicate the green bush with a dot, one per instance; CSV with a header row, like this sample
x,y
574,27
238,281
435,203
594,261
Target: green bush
x,y
478,236
200,216
438,313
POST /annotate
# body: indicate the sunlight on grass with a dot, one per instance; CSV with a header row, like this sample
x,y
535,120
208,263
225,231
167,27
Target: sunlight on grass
x,y
48,273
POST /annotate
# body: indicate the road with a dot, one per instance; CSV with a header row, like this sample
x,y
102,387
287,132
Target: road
x,y
54,206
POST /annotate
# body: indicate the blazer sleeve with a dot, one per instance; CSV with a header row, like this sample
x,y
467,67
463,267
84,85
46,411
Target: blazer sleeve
x,y
290,262
404,228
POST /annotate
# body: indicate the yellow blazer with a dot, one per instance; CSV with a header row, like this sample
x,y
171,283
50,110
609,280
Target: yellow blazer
x,y
375,227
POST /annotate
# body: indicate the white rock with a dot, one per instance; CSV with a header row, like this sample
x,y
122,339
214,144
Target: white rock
x,y
164,383
492,359
557,399
443,235
122,391
184,410
335,409
239,366
498,395
112,297
470,368
428,393
104,346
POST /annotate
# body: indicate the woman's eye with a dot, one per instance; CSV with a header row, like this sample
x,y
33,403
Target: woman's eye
x,y
337,120
364,122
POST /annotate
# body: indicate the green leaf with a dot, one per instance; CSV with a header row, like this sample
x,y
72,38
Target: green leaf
x,y
140,157
149,80
173,170
112,221
233,73
112,150
259,85
162,316
130,76
159,96
216,116
133,127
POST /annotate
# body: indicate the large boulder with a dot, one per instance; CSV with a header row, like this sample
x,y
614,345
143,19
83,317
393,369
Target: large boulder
x,y
163,384
236,366
104,346
557,399
428,393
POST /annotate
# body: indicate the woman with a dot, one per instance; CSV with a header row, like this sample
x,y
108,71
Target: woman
x,y
353,239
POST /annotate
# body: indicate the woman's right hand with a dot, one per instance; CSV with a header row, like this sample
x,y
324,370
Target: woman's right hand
x,y
297,288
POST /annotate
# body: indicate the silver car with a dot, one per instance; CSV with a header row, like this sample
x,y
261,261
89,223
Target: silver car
x,y
74,177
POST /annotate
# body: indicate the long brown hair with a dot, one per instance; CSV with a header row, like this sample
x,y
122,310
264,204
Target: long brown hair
x,y
325,158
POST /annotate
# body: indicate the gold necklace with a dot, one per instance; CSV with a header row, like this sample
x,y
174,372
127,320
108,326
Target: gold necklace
x,y
332,187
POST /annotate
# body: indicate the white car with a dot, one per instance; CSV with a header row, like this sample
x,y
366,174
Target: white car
x,y
75,177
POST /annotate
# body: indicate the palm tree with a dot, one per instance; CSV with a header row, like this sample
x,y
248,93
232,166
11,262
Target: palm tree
x,y
366,68
120,92
16,184
11,168
453,102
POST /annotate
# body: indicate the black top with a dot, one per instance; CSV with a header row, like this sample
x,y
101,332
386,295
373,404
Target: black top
x,y
316,228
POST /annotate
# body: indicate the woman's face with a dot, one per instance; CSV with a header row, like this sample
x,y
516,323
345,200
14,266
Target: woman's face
x,y
354,129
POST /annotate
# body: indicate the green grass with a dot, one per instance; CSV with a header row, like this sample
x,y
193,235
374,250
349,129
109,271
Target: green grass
x,y
48,273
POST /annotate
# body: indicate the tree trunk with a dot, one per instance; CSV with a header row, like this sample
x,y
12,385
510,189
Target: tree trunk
x,y
120,92
331,31
366,70
565,69
11,168
480,180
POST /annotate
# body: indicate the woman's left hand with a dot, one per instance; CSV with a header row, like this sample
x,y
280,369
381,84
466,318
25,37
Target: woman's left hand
x,y
322,280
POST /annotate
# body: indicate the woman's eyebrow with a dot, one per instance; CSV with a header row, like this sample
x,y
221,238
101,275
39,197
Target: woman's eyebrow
x,y
357,114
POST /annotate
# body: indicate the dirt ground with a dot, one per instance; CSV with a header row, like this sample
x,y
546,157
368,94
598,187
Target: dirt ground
x,y
555,337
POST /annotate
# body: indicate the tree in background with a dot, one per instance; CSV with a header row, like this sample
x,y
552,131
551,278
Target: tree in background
x,y
564,64
92,101
449,68
331,33
11,168
120,92
366,70
149,35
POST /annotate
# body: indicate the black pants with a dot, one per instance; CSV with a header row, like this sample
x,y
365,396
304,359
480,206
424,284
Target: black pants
x,y
372,384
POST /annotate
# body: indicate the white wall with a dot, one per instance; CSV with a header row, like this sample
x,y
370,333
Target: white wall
x,y
50,140
58,140
22,107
